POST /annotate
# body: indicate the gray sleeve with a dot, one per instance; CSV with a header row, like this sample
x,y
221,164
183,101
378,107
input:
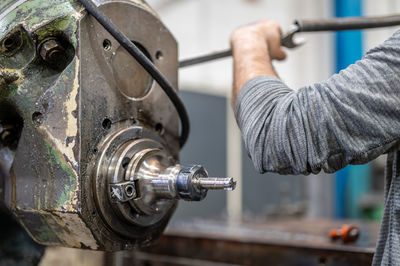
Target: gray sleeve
x,y
351,118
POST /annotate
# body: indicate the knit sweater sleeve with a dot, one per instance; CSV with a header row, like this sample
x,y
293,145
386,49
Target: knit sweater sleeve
x,y
351,118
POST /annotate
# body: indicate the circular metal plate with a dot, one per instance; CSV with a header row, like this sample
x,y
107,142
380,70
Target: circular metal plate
x,y
110,169
131,78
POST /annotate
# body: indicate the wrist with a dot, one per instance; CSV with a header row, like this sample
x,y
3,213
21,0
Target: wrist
x,y
244,38
249,46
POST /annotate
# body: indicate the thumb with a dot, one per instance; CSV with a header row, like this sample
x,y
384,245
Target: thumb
x,y
274,46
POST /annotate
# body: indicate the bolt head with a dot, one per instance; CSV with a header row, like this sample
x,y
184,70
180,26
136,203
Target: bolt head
x,y
52,51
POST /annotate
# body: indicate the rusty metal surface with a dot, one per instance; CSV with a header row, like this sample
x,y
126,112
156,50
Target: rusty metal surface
x,y
300,242
108,103
75,109
61,114
42,187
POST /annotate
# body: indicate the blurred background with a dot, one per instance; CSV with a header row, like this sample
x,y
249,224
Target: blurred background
x,y
204,26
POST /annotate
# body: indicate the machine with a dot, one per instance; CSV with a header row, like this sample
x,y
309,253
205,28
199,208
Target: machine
x,y
89,143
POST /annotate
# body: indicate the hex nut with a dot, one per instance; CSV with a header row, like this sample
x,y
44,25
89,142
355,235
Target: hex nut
x,y
52,51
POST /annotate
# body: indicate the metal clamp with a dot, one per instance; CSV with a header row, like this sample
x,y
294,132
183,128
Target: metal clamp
x,y
123,192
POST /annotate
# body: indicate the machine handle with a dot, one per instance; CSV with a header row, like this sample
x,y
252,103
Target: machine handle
x,y
334,24
348,23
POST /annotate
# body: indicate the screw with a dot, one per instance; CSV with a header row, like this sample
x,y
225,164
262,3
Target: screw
x,y
52,51
130,191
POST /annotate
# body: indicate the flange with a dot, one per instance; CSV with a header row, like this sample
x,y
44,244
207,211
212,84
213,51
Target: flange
x,y
118,193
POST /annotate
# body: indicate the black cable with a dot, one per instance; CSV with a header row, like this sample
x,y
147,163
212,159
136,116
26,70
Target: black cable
x,y
145,62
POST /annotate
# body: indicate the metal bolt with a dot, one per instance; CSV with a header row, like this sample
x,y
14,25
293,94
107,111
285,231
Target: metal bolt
x,y
52,51
129,191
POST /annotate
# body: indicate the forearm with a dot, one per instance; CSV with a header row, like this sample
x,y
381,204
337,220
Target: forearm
x,y
351,118
249,61
254,47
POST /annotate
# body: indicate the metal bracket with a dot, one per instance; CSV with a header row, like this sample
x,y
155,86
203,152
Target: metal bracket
x,y
122,192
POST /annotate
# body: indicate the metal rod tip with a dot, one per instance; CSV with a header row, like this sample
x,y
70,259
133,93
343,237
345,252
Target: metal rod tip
x,y
226,183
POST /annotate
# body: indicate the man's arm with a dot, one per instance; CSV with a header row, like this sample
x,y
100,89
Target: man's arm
x,y
253,47
351,118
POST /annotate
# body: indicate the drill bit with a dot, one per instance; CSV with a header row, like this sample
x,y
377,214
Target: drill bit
x,y
225,183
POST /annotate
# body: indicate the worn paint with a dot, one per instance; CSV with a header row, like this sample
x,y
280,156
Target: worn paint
x,y
7,6
77,230
61,141
45,235
68,196
70,106
62,24
50,169
10,79
66,227
34,14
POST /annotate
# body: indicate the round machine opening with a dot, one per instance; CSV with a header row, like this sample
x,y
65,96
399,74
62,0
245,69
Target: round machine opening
x,y
131,79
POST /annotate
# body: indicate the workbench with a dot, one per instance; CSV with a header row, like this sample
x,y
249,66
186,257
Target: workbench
x,y
275,242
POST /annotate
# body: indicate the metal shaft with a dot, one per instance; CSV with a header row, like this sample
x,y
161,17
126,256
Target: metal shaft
x,y
334,24
226,183
205,58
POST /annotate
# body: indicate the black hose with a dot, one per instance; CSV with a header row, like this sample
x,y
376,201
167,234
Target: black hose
x,y
145,63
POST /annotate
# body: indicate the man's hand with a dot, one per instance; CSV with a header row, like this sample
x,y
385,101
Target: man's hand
x,y
253,47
